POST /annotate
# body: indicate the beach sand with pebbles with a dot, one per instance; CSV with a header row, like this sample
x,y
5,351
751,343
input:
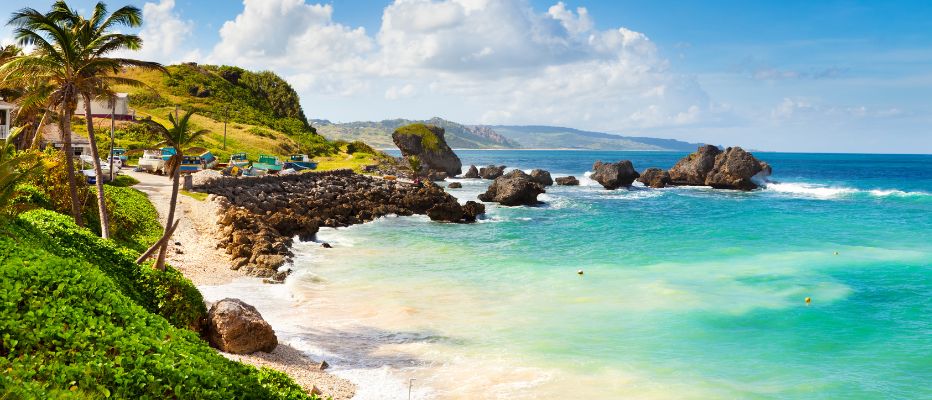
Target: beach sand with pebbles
x,y
193,251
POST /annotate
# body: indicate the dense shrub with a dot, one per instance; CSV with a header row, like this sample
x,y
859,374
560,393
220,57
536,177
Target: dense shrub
x,y
68,331
360,147
134,221
123,181
27,196
54,182
429,140
167,293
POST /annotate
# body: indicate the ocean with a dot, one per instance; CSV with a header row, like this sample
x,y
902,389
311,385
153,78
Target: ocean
x,y
687,293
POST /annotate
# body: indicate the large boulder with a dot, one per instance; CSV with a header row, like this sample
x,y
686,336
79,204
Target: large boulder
x,y
491,171
455,185
472,210
427,143
693,169
655,178
542,177
446,212
614,175
472,172
567,181
515,188
736,169
236,327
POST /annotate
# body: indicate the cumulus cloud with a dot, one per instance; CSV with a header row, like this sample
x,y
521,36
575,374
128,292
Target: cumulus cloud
x,y
498,61
165,34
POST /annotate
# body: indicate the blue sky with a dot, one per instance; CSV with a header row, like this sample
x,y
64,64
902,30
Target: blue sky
x,y
833,76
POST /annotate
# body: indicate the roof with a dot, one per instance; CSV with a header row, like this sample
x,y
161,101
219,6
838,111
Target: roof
x,y
6,106
51,134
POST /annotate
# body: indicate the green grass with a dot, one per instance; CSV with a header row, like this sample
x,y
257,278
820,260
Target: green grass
x,y
69,330
429,140
134,221
123,181
199,196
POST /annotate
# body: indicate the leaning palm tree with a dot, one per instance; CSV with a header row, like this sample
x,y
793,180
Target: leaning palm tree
x,y
180,135
71,54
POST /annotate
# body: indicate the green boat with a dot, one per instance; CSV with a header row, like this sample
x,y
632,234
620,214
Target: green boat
x,y
239,160
268,163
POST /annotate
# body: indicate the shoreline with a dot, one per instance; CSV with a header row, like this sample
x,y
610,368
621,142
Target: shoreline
x,y
199,258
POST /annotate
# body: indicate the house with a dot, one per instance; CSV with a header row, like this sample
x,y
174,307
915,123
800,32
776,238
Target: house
x,y
6,111
101,108
80,145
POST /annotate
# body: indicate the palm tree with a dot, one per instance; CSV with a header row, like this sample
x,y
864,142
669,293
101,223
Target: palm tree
x,y
70,53
180,136
13,168
414,162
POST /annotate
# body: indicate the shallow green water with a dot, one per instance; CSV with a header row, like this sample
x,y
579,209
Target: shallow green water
x,y
687,292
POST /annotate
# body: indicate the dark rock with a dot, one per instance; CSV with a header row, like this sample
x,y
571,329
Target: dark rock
x,y
322,366
455,185
693,169
567,181
513,189
542,177
734,169
446,212
472,172
436,176
472,210
236,327
614,175
655,178
427,143
326,245
491,172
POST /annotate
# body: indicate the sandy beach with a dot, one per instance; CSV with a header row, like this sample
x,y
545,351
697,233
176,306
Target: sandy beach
x,y
194,252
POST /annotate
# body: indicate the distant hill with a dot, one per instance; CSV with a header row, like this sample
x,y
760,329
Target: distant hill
x,y
378,134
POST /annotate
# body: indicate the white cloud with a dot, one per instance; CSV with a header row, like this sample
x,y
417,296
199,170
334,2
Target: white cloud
x,y
165,34
395,92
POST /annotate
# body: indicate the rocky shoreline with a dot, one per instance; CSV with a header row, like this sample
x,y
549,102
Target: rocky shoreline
x,y
260,217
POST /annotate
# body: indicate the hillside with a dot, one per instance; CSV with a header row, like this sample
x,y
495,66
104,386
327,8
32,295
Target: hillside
x,y
263,111
552,137
379,134
461,136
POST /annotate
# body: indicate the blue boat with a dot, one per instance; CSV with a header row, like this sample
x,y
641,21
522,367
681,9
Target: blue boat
x,y
300,162
168,152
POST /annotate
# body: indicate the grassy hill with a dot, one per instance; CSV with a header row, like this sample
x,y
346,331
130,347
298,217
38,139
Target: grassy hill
x,y
379,133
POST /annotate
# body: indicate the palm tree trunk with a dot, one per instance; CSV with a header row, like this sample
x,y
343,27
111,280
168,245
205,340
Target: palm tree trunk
x,y
98,172
160,263
37,136
65,125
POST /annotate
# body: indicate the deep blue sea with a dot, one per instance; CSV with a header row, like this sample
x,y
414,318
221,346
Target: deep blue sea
x,y
688,293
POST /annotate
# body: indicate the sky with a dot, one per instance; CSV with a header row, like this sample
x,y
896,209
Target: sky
x,y
807,76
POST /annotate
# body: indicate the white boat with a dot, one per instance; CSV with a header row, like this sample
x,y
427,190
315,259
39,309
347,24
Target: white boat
x,y
87,169
151,161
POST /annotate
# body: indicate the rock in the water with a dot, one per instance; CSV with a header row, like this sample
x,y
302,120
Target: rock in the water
x,y
472,172
436,176
515,188
446,212
614,175
693,169
455,185
734,169
655,178
427,143
472,210
567,181
491,172
236,327
542,177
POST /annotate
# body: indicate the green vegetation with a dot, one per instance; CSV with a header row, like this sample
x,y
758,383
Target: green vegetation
x,y
123,181
379,133
69,329
429,140
199,196
134,219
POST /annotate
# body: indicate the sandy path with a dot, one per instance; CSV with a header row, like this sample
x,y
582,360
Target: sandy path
x,y
193,251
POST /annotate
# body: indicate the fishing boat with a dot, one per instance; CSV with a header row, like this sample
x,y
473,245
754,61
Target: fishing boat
x,y
168,152
300,162
208,159
151,161
239,160
119,152
268,163
87,169
191,164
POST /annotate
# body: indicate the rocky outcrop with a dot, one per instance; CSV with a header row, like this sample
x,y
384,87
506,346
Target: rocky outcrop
x,y
472,172
567,181
515,188
693,169
735,168
455,185
436,176
472,210
655,178
260,216
236,327
614,175
491,172
542,177
428,144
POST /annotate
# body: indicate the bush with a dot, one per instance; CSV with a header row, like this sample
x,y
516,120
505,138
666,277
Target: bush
x,y
134,221
167,293
360,147
27,196
429,140
69,332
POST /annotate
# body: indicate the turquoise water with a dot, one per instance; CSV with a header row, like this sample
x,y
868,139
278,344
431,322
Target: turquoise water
x,y
687,292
